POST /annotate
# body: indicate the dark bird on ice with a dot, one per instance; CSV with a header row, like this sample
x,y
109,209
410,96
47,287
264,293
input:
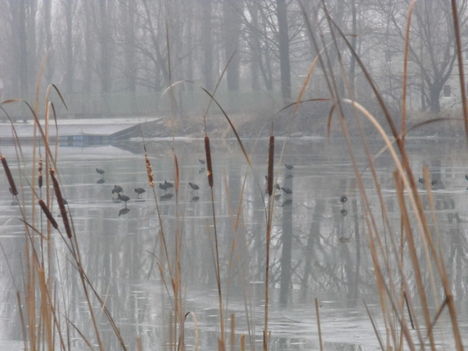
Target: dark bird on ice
x,y
202,162
286,190
193,186
195,198
124,211
343,199
124,198
288,166
117,189
101,181
166,185
139,191
100,171
163,186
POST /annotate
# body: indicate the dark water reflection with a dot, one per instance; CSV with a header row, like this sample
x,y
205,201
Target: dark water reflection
x,y
319,246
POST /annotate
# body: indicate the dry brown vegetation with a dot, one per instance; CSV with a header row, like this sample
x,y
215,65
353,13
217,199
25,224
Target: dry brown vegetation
x,y
409,320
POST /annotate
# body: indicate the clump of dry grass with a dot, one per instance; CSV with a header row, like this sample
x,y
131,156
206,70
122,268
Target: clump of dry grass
x,y
43,312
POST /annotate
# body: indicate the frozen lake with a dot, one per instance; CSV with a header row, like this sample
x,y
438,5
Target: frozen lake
x,y
325,239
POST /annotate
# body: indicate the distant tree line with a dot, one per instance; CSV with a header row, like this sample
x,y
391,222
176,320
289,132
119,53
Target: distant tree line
x,y
134,46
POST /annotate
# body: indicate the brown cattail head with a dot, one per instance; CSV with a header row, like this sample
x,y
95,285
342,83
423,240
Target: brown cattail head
x,y
271,162
149,171
177,173
39,174
61,203
9,176
209,166
49,216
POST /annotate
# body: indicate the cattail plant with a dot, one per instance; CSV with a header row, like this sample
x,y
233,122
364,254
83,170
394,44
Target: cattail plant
x,y
209,168
271,161
149,171
48,214
39,174
11,181
61,203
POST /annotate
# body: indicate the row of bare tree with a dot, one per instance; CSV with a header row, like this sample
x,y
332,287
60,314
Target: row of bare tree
x,y
106,46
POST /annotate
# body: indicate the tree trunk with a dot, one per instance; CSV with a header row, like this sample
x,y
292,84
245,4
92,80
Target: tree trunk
x,y
105,46
129,35
18,24
254,49
49,50
232,26
189,43
69,66
352,64
283,39
434,98
89,48
32,61
207,44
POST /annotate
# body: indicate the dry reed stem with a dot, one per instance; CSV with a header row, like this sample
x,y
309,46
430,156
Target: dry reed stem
x,y
305,84
437,315
22,321
233,332
48,313
48,214
220,78
233,128
374,327
139,343
80,333
408,308
428,186
319,328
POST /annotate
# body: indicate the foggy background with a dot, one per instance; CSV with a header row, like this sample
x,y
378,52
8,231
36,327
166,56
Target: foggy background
x,y
116,57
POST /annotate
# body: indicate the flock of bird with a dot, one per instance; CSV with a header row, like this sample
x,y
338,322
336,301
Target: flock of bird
x,y
118,191
119,196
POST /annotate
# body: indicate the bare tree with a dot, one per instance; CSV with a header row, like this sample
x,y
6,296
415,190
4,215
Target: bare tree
x,y
283,40
232,29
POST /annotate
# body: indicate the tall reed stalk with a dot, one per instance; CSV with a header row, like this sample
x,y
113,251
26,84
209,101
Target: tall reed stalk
x,y
270,181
